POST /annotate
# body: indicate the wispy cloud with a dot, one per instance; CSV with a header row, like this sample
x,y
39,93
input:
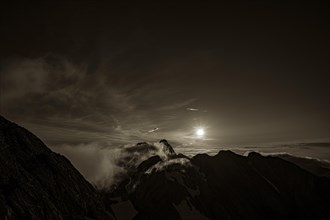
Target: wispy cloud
x,y
64,102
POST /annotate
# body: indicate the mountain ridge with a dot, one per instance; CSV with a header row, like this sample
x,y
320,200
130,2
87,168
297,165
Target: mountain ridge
x,y
227,186
158,183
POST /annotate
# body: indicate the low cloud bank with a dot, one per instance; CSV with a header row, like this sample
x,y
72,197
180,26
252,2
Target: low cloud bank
x,y
103,165
96,163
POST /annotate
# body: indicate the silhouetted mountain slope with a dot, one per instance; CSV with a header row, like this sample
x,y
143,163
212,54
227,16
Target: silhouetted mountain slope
x,y
36,183
257,187
319,168
225,186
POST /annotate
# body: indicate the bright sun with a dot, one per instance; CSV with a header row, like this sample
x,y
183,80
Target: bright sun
x,y
200,132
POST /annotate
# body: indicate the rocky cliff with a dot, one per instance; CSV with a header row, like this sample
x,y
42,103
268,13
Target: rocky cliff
x,y
36,183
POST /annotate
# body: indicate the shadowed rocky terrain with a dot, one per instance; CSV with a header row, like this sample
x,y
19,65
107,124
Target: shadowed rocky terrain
x,y
36,183
157,183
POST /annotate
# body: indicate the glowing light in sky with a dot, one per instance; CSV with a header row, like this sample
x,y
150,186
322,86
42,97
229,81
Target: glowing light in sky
x,y
200,132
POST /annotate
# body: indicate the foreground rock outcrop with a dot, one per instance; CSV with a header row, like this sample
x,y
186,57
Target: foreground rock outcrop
x,y
36,183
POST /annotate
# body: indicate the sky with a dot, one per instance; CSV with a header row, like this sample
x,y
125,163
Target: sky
x,y
77,73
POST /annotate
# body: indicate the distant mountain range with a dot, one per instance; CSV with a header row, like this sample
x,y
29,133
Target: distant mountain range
x,y
36,183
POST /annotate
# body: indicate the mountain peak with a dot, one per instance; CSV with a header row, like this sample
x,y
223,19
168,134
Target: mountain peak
x,y
167,148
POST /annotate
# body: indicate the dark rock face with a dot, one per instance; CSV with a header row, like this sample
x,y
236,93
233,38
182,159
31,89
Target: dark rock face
x,y
227,186
36,183
145,165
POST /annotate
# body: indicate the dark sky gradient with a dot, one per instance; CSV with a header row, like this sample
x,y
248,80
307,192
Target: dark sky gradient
x,y
85,72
